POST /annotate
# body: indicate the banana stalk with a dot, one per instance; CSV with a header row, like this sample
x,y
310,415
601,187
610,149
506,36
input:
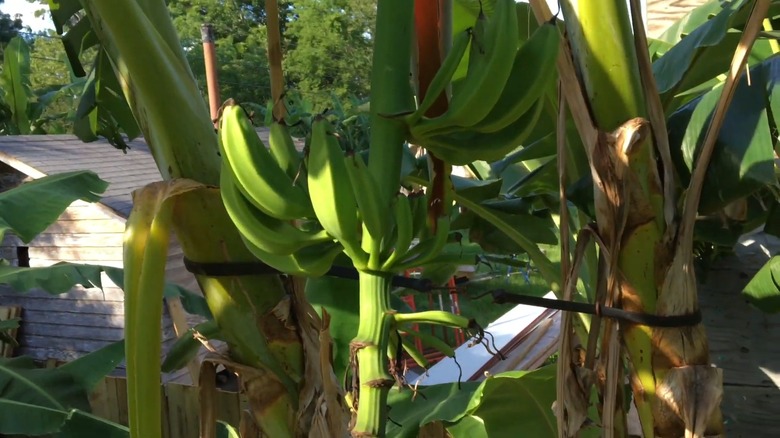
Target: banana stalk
x,y
390,94
369,355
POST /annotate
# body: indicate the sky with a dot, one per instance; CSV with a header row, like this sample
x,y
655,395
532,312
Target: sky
x,y
27,10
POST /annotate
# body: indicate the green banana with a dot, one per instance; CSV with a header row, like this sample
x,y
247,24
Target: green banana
x,y
490,64
465,147
427,249
283,149
443,76
419,206
404,225
257,174
331,192
367,196
532,73
311,261
429,340
272,235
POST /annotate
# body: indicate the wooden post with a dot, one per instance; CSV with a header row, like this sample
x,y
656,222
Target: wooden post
x,y
210,59
275,58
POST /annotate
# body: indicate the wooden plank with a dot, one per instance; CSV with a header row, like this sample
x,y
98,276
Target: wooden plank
x,y
76,254
62,344
228,407
180,325
74,332
738,332
751,411
82,210
40,263
74,307
121,398
76,294
86,226
70,239
99,402
192,408
79,293
177,417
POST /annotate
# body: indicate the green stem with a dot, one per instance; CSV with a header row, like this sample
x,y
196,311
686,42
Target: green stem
x,y
370,347
602,44
165,100
390,93
438,317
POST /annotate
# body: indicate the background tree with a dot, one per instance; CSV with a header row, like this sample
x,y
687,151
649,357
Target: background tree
x,y
330,49
9,28
239,29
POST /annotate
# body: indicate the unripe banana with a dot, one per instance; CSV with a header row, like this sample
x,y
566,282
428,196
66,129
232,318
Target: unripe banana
x,y
404,225
464,148
490,63
443,76
283,149
367,196
532,73
311,261
427,249
331,192
255,171
419,205
271,235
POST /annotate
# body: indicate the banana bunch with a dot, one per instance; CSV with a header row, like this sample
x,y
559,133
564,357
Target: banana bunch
x,y
495,107
298,218
345,199
266,197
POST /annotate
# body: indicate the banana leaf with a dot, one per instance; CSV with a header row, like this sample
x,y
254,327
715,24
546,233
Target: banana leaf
x,y
37,401
473,410
706,50
15,80
763,291
743,160
62,277
31,207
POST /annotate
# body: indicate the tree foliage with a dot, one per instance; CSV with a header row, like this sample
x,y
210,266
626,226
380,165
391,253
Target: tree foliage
x,y
330,49
9,28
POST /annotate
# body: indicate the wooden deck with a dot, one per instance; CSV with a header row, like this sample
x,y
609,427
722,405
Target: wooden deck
x,y
744,341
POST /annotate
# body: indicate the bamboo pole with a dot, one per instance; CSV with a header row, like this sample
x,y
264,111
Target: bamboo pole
x,y
210,60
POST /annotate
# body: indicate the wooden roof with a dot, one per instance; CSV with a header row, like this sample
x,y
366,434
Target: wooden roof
x,y
41,155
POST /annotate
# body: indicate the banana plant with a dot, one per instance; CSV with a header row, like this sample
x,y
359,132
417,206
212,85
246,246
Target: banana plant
x,y
271,334
21,107
337,208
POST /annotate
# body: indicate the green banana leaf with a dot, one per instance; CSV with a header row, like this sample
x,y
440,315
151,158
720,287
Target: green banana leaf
x,y
763,291
62,277
705,52
743,159
15,80
37,401
103,110
479,410
225,430
80,424
31,207
79,38
186,346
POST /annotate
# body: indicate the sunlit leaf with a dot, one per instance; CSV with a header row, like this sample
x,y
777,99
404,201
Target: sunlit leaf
x,y
763,291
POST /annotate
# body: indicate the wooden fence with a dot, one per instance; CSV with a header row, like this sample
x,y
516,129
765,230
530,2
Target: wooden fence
x,y
180,406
